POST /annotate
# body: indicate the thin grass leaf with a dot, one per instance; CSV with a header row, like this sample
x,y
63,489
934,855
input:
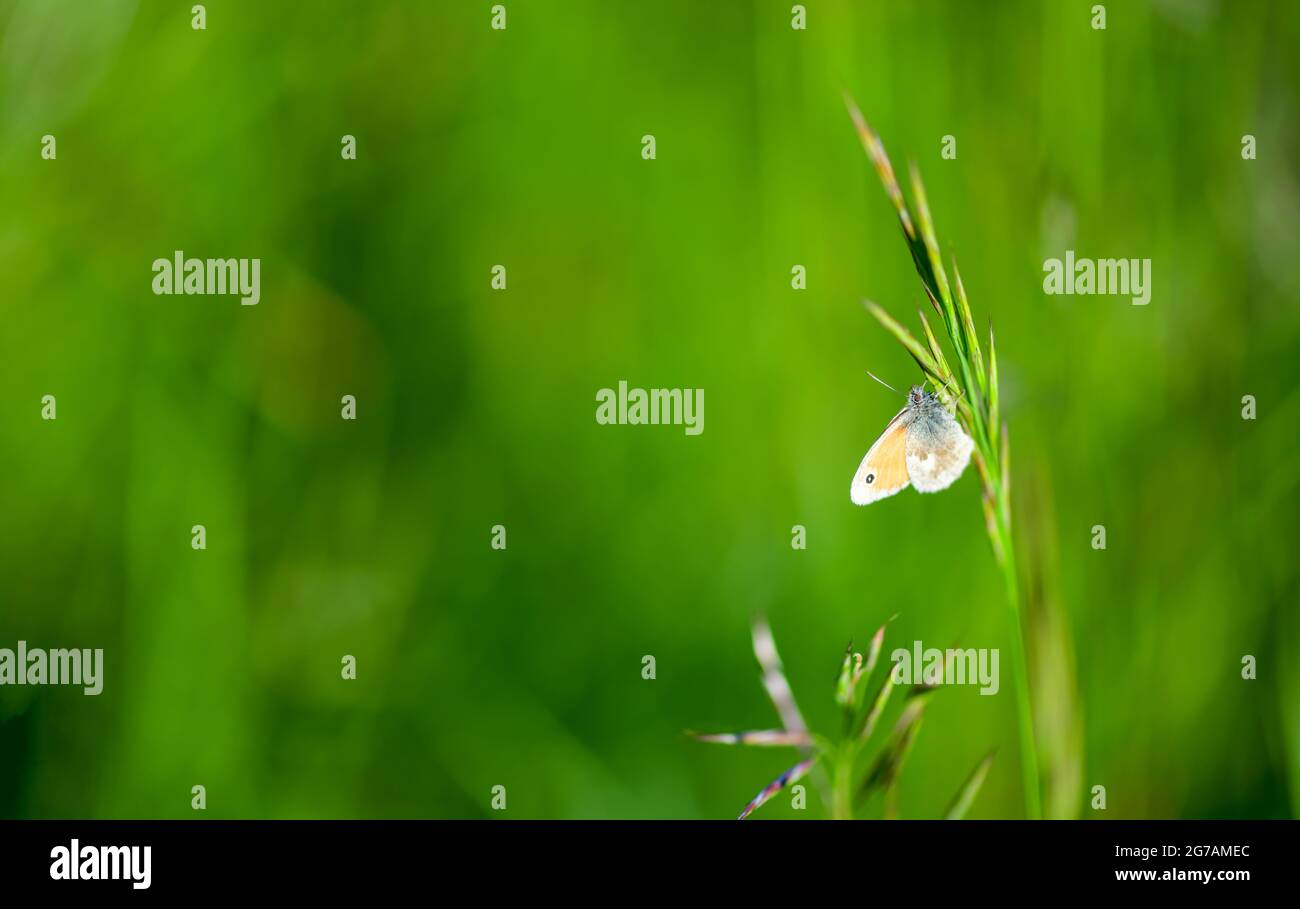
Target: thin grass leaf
x,y
995,533
960,401
935,350
774,680
939,278
877,708
923,689
762,738
986,476
1005,502
961,804
1057,708
793,775
968,332
884,772
873,652
915,242
994,416
876,152
907,339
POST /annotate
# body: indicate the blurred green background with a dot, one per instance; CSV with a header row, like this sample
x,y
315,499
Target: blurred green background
x,y
476,407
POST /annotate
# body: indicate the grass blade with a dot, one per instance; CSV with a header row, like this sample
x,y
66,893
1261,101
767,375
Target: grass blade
x,y
908,340
961,804
762,738
884,772
877,708
876,152
873,652
971,340
935,350
916,243
774,680
793,775
994,416
1005,503
939,278
991,525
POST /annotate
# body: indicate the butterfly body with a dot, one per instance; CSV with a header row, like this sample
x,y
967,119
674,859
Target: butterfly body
x,y
923,446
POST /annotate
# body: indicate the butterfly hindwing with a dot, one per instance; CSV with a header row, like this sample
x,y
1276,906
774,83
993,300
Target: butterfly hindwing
x,y
883,471
937,455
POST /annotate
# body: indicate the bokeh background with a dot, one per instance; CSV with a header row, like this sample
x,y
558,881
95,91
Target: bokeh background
x,y
476,407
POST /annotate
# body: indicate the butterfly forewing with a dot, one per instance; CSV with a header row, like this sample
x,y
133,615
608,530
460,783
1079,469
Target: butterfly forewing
x,y
883,471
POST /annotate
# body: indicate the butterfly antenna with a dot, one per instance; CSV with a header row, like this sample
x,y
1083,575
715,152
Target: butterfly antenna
x,y
883,382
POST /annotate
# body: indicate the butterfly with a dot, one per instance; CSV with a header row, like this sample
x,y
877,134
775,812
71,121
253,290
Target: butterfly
x,y
923,445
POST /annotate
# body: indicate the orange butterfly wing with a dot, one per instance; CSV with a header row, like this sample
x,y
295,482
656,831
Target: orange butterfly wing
x,y
883,471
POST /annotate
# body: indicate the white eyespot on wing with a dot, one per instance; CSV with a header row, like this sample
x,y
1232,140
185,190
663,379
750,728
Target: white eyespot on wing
x,y
936,459
883,471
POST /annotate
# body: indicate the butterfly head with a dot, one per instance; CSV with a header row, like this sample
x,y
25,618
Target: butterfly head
x,y
917,396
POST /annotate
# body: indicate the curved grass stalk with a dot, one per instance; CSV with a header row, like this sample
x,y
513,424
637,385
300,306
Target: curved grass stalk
x,y
976,406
